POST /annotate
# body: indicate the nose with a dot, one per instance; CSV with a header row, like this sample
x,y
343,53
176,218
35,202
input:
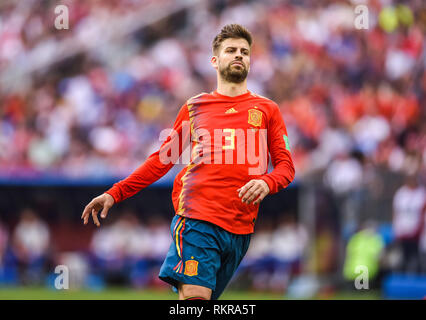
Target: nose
x,y
239,55
238,58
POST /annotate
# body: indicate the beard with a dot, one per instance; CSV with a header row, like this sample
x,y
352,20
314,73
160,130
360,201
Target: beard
x,y
233,74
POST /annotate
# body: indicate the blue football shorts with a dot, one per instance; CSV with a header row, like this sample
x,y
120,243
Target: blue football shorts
x,y
203,254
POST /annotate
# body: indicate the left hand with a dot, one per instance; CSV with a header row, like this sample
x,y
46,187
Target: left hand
x,y
256,189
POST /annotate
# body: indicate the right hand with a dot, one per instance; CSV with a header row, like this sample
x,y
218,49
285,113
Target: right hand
x,y
104,201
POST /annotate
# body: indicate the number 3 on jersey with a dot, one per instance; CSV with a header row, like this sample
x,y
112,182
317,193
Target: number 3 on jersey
x,y
229,139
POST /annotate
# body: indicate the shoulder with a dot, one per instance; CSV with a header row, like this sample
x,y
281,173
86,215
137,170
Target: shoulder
x,y
258,96
268,103
269,107
198,98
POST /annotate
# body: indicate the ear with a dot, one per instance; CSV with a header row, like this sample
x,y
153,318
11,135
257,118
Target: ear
x,y
214,62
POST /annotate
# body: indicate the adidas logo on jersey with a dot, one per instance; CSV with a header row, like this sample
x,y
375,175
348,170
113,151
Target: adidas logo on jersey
x,y
232,110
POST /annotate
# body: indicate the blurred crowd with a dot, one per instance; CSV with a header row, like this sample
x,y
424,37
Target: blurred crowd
x,y
129,250
353,101
100,113
125,251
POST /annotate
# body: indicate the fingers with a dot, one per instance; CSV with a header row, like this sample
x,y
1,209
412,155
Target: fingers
x,y
254,194
249,191
93,209
241,191
265,191
256,189
104,212
261,197
86,208
95,218
86,212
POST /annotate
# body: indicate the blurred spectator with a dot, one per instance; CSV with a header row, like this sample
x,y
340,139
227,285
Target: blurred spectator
x,y
159,235
370,130
409,205
423,246
260,243
364,250
289,239
127,251
109,245
288,244
30,247
275,254
78,269
258,256
4,237
345,176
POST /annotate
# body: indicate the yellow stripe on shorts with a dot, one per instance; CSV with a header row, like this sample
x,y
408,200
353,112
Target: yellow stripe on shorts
x,y
177,238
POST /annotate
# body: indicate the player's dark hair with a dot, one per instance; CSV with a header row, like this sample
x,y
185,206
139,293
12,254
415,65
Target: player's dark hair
x,y
234,31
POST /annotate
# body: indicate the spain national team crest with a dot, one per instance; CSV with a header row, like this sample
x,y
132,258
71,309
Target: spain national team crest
x,y
191,268
255,117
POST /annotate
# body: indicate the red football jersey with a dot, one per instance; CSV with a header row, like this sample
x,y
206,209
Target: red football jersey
x,y
225,142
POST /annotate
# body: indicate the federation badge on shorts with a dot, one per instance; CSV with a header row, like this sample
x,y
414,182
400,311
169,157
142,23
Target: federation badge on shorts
x,y
191,268
255,117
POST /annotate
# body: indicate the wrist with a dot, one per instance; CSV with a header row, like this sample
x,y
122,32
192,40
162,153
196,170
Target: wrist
x,y
109,197
268,182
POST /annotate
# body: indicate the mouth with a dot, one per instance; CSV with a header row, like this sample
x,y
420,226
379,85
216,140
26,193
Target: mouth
x,y
237,63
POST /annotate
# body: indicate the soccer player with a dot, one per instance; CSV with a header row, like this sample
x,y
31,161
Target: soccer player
x,y
216,196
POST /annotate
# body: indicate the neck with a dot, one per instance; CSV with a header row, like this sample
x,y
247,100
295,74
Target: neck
x,y
231,89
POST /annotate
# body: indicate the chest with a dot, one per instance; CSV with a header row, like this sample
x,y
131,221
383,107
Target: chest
x,y
243,115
